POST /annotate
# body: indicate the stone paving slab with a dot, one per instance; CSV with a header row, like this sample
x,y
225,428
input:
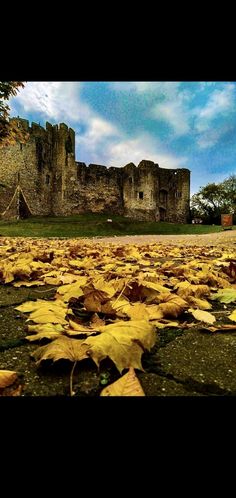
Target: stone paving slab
x,y
201,360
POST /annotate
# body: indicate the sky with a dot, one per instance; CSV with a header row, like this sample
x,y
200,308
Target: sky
x,y
175,124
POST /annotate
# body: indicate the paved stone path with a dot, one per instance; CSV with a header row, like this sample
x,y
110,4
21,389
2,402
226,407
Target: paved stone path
x,y
223,237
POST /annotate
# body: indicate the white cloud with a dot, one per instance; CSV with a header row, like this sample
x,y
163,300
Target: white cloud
x,y
93,142
174,115
174,109
61,101
219,103
54,100
98,128
118,151
102,141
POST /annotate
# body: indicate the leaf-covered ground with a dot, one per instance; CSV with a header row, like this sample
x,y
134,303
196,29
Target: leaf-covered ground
x,y
114,310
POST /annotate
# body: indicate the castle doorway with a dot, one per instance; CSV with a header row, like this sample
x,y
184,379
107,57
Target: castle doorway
x,y
24,211
162,214
163,196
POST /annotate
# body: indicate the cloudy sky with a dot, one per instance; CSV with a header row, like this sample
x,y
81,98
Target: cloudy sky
x,y
176,124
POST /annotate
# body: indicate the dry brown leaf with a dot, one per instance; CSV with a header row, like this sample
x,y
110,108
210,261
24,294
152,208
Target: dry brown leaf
x,y
123,355
132,331
7,378
62,348
172,305
201,304
96,321
186,289
93,301
76,329
128,385
122,342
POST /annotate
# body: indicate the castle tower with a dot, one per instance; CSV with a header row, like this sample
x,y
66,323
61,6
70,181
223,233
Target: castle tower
x,y
174,195
140,190
64,167
28,164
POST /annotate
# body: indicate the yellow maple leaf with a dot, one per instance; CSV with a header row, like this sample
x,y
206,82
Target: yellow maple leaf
x,y
62,348
186,289
25,283
123,355
72,290
44,331
153,285
154,312
133,330
84,263
122,342
48,315
136,311
128,385
29,306
101,285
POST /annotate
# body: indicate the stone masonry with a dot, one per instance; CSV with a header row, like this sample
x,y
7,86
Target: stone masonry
x,y
51,182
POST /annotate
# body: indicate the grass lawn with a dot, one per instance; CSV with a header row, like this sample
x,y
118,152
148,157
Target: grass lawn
x,y
95,225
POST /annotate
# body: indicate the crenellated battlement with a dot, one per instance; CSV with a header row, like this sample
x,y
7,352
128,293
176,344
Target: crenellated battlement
x,y
38,130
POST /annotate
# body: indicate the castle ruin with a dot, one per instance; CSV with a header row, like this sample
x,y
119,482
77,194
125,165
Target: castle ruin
x,y
42,177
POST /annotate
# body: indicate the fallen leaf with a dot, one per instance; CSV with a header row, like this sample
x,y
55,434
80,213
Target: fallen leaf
x,y
7,377
201,304
66,292
25,283
128,385
123,343
62,348
29,306
172,305
186,289
226,295
203,316
44,331
44,315
233,316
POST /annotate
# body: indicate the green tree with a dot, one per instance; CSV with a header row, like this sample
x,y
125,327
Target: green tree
x,y
9,132
215,199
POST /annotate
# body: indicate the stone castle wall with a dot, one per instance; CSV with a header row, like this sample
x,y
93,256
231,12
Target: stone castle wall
x,y
54,183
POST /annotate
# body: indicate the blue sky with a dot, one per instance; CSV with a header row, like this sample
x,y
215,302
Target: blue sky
x,y
176,124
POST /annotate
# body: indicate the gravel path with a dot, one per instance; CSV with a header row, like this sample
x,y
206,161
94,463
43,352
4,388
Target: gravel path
x,y
224,237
